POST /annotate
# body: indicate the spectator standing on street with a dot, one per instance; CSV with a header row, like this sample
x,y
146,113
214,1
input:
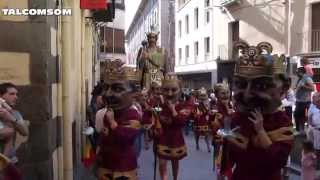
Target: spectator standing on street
x,y
308,161
6,131
314,121
9,93
307,66
191,104
303,92
288,101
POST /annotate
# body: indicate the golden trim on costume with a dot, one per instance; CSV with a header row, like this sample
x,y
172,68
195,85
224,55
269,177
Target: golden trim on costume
x,y
256,61
216,122
218,116
106,174
281,134
135,124
170,78
172,152
4,161
156,121
202,128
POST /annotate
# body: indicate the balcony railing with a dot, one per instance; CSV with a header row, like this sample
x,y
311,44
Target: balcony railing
x,y
228,2
315,40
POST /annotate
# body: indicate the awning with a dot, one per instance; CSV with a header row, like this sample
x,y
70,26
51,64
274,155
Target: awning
x,y
93,4
105,15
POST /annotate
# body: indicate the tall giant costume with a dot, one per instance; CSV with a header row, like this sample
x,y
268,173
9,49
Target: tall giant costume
x,y
152,61
261,145
224,111
171,145
201,118
121,124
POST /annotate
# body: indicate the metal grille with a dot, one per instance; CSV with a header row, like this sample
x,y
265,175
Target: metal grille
x,y
315,46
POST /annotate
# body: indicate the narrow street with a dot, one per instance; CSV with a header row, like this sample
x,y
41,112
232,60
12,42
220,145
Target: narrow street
x,y
196,166
79,79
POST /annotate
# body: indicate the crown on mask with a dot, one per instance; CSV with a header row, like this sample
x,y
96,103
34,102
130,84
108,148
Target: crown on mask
x,y
202,91
257,60
170,78
116,71
203,94
221,86
155,84
153,32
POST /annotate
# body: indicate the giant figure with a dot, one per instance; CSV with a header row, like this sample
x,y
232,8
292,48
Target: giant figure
x,y
152,60
260,146
117,157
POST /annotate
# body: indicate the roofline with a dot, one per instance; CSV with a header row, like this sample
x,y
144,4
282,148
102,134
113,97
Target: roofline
x,y
309,54
136,16
195,72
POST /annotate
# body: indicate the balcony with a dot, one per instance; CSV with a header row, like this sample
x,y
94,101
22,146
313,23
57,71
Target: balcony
x,y
315,40
228,2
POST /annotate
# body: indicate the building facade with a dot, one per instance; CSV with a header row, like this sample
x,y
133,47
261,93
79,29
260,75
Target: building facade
x,y
157,13
208,29
112,36
195,61
291,26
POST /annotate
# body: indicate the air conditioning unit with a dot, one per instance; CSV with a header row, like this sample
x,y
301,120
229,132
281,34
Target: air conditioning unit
x,y
228,2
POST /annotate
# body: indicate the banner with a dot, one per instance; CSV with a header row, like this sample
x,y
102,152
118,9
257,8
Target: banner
x,y
93,4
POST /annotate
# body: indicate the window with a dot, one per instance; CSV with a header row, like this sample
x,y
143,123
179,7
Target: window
x,y
181,3
156,16
207,16
196,48
187,24
180,26
207,45
207,3
180,54
103,40
196,18
315,27
187,52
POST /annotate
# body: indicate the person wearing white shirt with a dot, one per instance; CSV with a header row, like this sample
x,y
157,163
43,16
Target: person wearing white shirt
x,y
288,102
314,121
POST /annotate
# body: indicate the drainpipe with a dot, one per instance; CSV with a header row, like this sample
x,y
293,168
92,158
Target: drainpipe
x,y
59,103
67,48
289,27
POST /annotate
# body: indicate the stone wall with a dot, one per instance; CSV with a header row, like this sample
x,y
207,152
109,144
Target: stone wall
x,y
27,51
